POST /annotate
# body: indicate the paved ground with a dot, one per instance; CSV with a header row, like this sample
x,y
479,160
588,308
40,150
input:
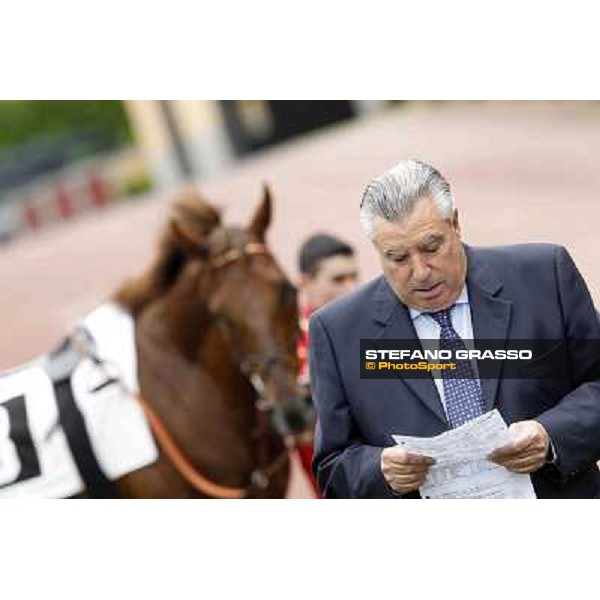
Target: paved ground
x,y
520,172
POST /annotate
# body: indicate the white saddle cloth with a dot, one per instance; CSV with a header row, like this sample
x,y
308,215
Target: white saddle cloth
x,y
35,460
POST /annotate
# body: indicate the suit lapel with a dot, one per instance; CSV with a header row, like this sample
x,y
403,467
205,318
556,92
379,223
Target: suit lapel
x,y
397,324
490,316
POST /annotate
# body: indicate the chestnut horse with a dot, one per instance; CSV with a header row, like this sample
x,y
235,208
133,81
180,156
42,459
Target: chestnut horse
x,y
216,327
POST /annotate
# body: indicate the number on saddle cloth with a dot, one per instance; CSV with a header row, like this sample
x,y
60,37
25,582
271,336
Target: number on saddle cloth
x,y
18,457
60,366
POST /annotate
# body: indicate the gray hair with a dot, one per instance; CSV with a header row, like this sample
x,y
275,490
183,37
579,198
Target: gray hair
x,y
393,194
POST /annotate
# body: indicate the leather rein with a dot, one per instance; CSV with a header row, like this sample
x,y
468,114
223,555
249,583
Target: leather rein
x,y
260,477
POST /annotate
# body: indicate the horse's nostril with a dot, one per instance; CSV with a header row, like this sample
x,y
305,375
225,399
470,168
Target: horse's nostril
x,y
300,419
293,418
297,423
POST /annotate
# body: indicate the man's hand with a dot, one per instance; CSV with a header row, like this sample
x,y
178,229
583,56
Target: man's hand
x,y
527,450
404,471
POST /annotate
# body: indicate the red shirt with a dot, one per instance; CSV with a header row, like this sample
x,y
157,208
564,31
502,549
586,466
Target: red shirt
x,y
302,348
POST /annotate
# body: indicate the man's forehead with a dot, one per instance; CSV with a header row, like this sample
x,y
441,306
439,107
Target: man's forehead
x,y
394,235
338,264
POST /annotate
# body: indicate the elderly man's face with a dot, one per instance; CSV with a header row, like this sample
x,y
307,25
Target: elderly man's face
x,y
422,257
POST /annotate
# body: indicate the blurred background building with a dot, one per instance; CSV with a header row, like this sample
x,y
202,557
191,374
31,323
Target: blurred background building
x,y
62,158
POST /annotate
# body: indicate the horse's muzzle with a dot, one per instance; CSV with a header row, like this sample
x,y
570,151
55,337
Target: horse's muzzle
x,y
293,417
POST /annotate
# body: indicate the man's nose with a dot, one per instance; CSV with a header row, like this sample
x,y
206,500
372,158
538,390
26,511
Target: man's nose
x,y
421,271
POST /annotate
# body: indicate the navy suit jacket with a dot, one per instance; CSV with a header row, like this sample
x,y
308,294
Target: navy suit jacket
x,y
529,291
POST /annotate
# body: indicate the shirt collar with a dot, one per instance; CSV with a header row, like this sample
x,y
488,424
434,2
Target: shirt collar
x,y
463,298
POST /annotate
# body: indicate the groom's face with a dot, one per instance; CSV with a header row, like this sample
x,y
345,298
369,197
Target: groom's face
x,y
422,257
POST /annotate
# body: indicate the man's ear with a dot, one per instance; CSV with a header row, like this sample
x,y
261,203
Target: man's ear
x,y
303,281
456,223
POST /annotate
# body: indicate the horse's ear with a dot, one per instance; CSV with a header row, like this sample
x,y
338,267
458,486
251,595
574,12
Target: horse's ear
x,y
262,217
191,221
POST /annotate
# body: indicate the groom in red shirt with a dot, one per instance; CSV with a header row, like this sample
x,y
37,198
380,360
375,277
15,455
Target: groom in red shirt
x,y
328,270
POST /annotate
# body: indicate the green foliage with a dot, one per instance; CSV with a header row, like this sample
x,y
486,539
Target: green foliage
x,y
135,185
23,121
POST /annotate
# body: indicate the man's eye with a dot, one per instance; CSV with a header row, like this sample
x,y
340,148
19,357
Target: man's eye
x,y
344,277
432,246
397,259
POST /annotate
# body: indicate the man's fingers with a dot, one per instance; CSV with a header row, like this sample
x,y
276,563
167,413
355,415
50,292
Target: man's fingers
x,y
416,470
408,470
412,470
406,484
526,468
408,458
525,464
513,449
409,479
405,471
501,455
511,459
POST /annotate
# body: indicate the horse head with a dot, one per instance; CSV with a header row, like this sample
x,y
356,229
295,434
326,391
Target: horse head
x,y
231,294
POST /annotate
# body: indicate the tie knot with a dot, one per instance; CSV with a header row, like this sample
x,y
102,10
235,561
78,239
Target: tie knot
x,y
442,318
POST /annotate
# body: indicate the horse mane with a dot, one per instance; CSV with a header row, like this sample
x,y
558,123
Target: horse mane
x,y
190,222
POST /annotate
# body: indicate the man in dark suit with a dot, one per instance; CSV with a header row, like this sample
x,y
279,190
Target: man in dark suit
x,y
435,287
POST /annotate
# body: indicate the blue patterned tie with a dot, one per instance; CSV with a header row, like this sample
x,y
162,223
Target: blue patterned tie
x,y
462,391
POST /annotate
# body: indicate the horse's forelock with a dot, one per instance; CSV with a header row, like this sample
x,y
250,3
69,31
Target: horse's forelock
x,y
192,219
193,203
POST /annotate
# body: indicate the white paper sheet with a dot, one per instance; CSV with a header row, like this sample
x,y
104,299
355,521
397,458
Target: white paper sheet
x,y
461,469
